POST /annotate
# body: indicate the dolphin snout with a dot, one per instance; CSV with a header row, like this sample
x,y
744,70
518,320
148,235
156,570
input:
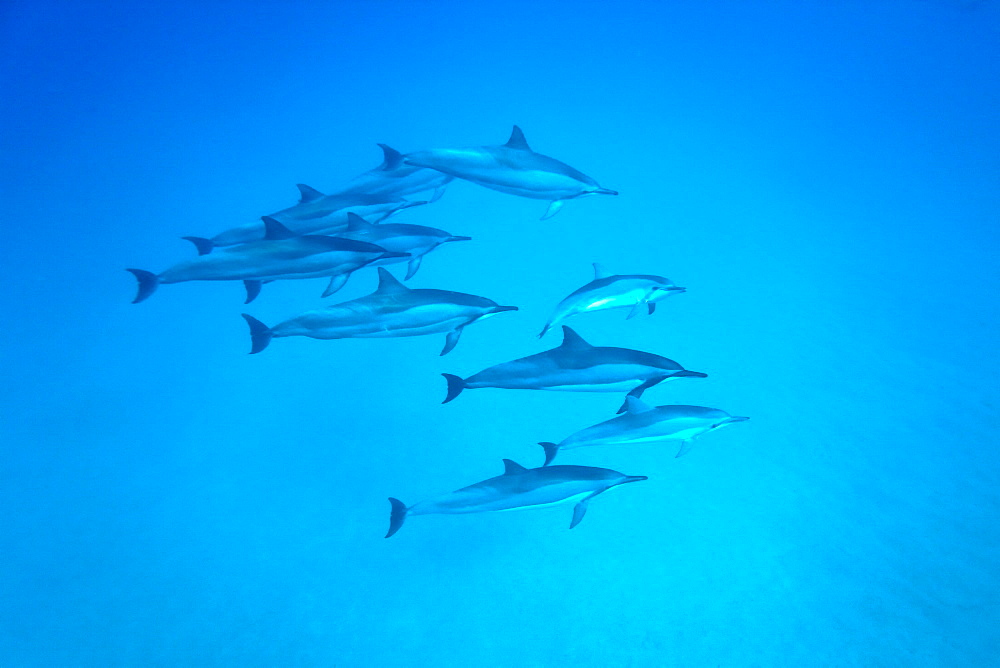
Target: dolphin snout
x,y
634,478
677,289
737,419
605,191
501,309
458,239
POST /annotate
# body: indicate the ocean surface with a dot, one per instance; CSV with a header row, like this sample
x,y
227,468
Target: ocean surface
x,y
822,177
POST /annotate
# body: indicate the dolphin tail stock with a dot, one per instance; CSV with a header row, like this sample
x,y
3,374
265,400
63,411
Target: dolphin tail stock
x,y
203,245
260,334
396,516
455,386
148,282
551,450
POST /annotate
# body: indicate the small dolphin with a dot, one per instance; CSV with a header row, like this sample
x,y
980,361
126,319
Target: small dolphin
x,y
314,214
392,310
644,424
519,488
414,240
512,168
393,178
577,366
638,292
279,255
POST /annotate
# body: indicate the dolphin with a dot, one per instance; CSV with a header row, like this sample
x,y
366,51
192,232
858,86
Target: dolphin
x,y
512,168
577,366
314,214
519,488
392,310
644,424
414,240
393,178
638,292
279,255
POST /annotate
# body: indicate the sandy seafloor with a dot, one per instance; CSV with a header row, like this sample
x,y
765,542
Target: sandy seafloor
x,y
822,177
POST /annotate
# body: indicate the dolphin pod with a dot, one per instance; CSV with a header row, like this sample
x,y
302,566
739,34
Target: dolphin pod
x,y
337,234
518,488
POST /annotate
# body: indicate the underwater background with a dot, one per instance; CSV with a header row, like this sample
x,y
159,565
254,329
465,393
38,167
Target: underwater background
x,y
822,177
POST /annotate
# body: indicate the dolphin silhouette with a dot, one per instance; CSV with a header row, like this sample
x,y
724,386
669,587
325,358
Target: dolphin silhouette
x,y
518,488
314,214
280,255
512,168
576,366
644,424
638,292
394,178
414,240
392,310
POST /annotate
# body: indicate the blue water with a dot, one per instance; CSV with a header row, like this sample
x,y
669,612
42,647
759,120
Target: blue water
x,y
822,177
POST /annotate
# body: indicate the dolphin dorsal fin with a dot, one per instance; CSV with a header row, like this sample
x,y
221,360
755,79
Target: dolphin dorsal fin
x,y
388,284
510,467
307,193
273,230
572,340
392,158
634,405
599,271
517,140
356,223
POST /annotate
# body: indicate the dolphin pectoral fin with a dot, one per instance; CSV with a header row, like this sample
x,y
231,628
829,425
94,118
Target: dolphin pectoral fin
x,y
637,392
554,208
260,334
336,283
451,340
438,192
204,246
551,450
148,282
651,306
253,289
396,516
636,310
685,448
412,266
455,386
579,510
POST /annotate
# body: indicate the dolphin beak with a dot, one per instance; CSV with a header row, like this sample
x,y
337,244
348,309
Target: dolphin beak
x,y
633,478
501,309
676,289
604,191
458,239
407,205
736,419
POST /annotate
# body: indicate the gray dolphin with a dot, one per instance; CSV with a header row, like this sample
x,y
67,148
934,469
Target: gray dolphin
x,y
392,310
512,168
638,292
414,240
519,488
280,255
644,424
394,178
314,214
576,366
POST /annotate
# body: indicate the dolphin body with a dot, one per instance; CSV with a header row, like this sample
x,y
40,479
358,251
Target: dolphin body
x,y
519,488
413,240
280,255
315,213
392,310
638,292
394,178
512,168
576,366
644,424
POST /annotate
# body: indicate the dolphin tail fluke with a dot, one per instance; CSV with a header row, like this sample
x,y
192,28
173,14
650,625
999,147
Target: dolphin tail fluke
x,y
253,289
203,245
551,450
554,208
397,516
689,374
148,282
455,386
260,334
